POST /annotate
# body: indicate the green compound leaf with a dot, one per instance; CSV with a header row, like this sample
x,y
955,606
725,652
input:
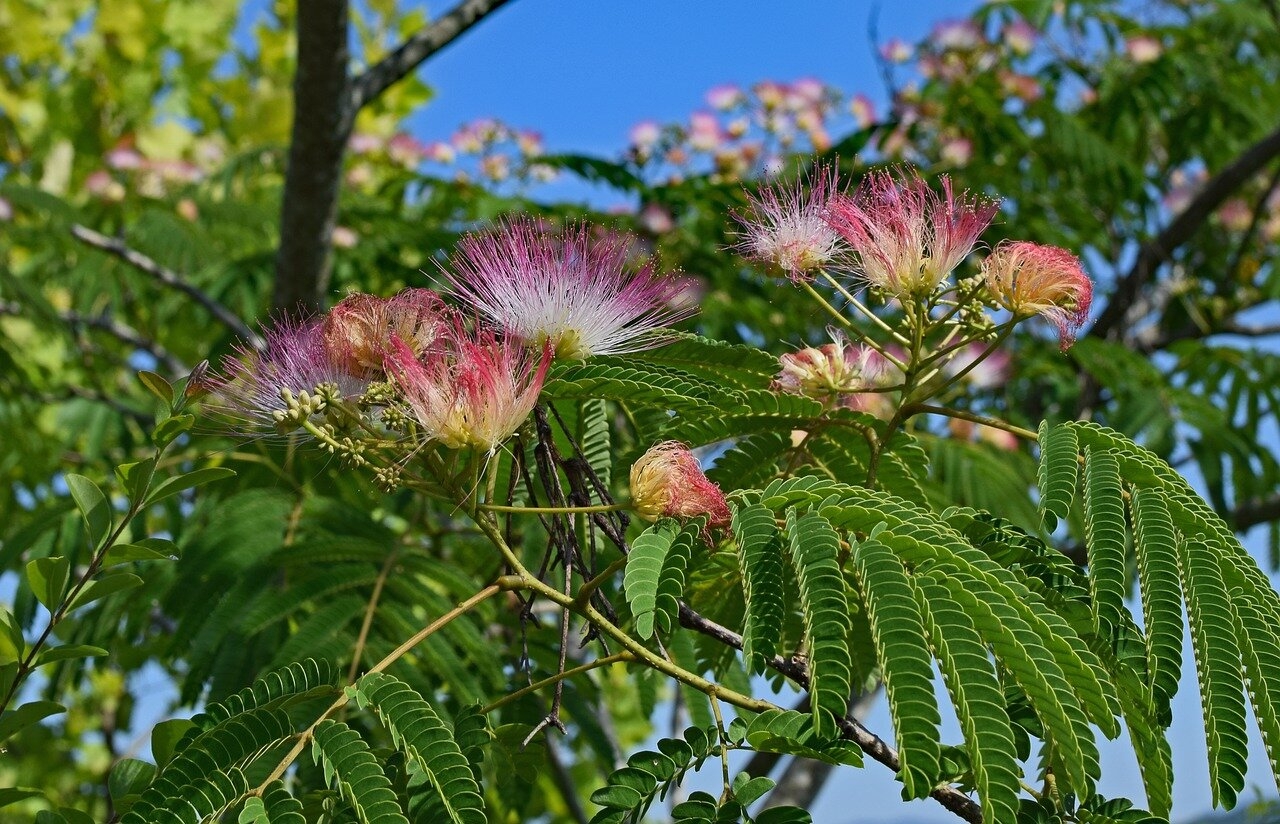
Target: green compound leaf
x,y
207,767
1105,538
655,558
791,733
979,701
723,363
1059,468
1157,555
632,789
814,547
1217,655
906,663
418,732
760,557
354,770
1022,654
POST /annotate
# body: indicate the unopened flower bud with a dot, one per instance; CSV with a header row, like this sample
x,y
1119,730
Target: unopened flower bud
x,y
667,481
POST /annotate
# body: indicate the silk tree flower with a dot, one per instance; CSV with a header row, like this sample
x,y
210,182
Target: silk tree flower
x,y
1030,279
473,393
359,330
908,237
668,482
785,226
830,370
575,291
291,378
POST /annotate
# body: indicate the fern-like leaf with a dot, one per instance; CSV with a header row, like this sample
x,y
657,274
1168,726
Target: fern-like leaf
x,y
1255,630
1022,654
905,663
791,733
1059,468
213,755
979,702
274,806
724,363
1217,655
644,572
1157,554
417,731
760,557
1105,536
352,767
814,547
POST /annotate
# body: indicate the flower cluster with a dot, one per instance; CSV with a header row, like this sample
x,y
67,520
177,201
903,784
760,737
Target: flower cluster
x,y
905,240
486,150
746,131
537,294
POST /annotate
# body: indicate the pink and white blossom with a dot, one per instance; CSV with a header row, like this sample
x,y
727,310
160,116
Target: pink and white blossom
x,y
785,225
473,393
831,370
358,331
908,237
1031,279
575,290
285,381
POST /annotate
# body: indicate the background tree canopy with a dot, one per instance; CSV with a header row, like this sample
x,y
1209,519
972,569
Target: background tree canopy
x,y
170,177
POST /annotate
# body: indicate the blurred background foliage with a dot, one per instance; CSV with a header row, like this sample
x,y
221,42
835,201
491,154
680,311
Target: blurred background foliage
x,y
1141,136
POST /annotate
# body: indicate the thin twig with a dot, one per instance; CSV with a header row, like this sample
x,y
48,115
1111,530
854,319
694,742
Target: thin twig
x,y
116,329
421,45
167,277
850,729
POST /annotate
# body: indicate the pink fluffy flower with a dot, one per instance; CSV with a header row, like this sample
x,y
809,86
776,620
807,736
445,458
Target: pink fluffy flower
x,y
833,369
289,379
785,225
1030,279
574,290
358,331
908,237
668,482
473,393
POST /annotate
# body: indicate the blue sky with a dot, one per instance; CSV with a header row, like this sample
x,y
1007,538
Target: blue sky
x,y
582,72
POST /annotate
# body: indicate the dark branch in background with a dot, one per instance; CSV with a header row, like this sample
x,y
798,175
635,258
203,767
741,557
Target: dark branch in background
x,y
167,277
850,729
322,120
326,102
1122,306
1256,511
804,778
422,45
116,329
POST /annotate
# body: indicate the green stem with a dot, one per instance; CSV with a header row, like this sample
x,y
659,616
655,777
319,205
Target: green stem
x,y
617,657
960,414
395,655
861,307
